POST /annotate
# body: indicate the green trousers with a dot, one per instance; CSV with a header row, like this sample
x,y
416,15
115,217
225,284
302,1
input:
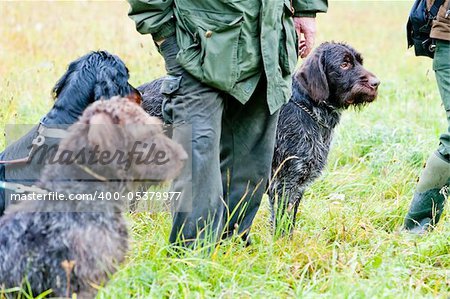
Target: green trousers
x,y
231,149
428,201
441,66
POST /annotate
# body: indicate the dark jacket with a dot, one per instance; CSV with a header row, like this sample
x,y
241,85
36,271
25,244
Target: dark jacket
x,y
230,44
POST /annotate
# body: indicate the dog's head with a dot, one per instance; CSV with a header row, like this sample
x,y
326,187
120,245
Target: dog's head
x,y
334,74
94,76
126,142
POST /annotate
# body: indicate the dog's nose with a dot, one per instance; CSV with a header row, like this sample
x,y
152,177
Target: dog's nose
x,y
374,82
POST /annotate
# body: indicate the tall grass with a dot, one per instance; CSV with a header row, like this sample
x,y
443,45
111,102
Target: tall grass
x,y
347,242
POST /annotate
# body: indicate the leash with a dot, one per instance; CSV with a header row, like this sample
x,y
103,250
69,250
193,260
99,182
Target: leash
x,y
37,142
16,161
311,114
92,173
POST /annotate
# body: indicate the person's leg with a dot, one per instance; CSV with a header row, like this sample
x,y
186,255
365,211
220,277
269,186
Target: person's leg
x,y
442,69
428,201
195,110
247,145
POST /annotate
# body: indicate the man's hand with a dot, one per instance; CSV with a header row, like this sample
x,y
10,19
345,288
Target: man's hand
x,y
306,31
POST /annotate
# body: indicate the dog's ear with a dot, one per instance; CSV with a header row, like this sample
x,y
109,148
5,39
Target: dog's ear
x,y
103,132
111,82
63,80
312,76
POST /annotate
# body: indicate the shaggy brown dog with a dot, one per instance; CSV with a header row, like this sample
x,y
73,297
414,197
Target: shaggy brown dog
x,y
72,246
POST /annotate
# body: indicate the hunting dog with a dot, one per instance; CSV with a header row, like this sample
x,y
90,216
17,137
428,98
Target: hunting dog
x,y
95,76
73,246
329,81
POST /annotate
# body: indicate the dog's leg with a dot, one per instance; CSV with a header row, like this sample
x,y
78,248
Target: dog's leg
x,y
280,213
272,208
285,211
294,213
134,203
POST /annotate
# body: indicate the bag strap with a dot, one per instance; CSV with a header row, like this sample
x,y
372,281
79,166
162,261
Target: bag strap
x,y
434,9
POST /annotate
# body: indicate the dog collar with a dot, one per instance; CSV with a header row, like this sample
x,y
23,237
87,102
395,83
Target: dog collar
x,y
48,132
311,114
38,141
51,132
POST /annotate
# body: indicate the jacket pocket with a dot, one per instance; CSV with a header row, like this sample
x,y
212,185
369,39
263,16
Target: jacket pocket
x,y
169,87
289,42
212,53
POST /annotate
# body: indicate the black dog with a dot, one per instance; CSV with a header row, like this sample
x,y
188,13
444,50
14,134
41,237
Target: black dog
x,y
97,75
72,246
330,80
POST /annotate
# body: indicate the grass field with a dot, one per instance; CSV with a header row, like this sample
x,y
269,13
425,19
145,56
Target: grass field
x,y
347,243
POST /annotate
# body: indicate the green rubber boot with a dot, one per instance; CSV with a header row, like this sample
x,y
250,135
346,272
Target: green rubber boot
x,y
428,201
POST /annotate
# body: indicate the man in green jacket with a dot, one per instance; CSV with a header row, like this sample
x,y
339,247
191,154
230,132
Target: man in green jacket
x,y
433,187
229,64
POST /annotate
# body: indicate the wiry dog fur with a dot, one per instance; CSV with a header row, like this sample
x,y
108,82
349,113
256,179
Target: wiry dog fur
x,y
38,240
152,98
330,80
95,76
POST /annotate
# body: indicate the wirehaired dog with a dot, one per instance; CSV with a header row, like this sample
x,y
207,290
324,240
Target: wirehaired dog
x,y
97,75
152,97
72,246
330,80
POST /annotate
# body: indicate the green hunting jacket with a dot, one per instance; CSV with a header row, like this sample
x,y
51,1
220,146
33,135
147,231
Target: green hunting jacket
x,y
229,44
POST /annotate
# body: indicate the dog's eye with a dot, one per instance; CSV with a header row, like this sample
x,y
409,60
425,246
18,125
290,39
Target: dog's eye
x,y
346,65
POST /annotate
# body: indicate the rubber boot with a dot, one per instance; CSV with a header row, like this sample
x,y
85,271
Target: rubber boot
x,y
428,202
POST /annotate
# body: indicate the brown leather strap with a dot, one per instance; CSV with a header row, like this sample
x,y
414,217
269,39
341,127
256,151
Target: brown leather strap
x,y
15,161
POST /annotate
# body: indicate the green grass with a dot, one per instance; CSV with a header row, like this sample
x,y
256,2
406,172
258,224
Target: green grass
x,y
347,242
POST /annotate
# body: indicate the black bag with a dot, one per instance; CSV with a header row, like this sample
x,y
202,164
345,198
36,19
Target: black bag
x,y
419,27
